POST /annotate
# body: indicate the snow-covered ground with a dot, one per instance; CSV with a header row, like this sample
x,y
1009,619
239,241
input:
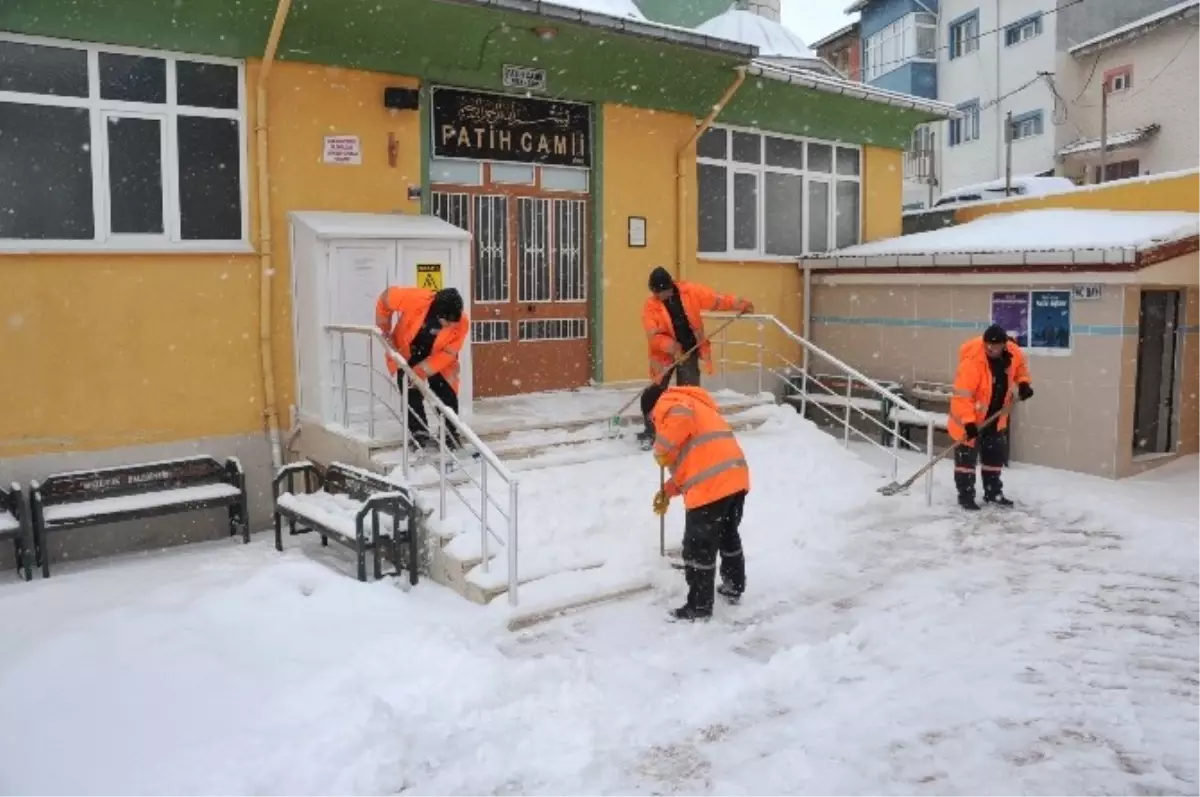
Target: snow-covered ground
x,y
883,647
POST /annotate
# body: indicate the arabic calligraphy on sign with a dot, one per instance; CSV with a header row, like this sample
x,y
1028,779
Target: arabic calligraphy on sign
x,y
502,128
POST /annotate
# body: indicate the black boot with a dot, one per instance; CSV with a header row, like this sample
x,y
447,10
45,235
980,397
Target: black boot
x,y
967,502
733,577
998,498
699,604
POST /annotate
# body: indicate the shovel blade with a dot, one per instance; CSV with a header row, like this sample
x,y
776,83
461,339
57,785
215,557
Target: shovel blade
x,y
891,489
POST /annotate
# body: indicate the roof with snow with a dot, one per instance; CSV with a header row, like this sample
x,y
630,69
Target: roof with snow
x,y
771,38
625,9
1139,27
837,34
1050,236
1128,138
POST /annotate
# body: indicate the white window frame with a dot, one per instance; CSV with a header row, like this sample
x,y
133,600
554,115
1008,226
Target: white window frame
x,y
1024,30
901,37
1125,76
169,112
964,36
1028,126
759,254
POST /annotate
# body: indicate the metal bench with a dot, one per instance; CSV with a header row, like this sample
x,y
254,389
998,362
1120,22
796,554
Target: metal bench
x,y
370,509
15,524
134,492
829,391
923,393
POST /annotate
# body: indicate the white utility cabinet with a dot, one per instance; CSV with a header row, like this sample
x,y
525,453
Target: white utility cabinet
x,y
341,262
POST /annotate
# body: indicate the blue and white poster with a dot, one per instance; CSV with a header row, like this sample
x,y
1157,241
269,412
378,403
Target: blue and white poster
x,y
1050,320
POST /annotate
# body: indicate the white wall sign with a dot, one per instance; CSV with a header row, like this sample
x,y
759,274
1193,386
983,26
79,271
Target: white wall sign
x,y
343,149
1087,293
524,77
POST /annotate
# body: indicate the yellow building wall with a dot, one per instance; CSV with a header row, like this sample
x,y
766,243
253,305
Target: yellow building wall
x,y
107,350
639,162
1178,193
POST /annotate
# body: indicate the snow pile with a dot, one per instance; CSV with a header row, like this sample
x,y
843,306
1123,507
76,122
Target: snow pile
x,y
1039,230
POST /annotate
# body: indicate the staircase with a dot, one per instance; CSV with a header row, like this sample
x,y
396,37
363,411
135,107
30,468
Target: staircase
x,y
470,540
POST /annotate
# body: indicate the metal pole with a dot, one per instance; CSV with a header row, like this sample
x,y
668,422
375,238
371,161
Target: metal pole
x,y
442,466
929,474
1008,139
760,356
404,423
895,446
1103,132
932,178
849,391
483,507
371,386
345,392
512,544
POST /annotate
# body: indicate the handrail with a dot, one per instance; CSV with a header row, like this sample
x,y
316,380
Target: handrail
x,y
489,458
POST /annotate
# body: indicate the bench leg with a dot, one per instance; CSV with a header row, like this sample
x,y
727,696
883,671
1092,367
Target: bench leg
x,y
360,550
414,563
278,533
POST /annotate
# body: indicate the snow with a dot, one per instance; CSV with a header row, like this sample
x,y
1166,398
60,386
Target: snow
x,y
882,647
334,224
8,522
771,38
1145,21
1039,230
1114,140
1022,185
625,9
129,503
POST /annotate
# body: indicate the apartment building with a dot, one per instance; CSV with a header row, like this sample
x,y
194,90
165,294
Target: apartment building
x,y
842,50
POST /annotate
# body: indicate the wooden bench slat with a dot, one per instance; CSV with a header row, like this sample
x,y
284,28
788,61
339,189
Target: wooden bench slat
x,y
100,508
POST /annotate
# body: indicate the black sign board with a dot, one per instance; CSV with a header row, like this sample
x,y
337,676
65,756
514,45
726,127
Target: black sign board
x,y
497,127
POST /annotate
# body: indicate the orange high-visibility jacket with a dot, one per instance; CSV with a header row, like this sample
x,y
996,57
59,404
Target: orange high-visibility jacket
x,y
973,386
704,457
660,334
411,305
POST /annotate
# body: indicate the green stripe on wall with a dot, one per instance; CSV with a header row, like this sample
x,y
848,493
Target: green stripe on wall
x,y
947,323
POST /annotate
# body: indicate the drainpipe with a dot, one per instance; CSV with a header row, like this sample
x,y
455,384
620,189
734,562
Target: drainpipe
x,y
266,270
681,166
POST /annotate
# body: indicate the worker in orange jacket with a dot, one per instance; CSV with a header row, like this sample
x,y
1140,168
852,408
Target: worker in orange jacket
x,y
428,329
673,324
991,368
709,470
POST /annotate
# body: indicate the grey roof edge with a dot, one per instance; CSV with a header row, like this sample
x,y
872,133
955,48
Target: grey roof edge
x,y
642,30
850,88
837,34
1132,30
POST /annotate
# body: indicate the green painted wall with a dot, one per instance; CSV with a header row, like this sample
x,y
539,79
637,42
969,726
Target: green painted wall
x,y
688,13
459,45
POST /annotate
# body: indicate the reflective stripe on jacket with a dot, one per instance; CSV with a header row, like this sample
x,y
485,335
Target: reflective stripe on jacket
x,y
702,454
411,306
973,385
660,333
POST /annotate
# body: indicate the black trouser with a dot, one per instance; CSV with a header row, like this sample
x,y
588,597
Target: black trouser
x,y
418,422
707,531
686,374
988,451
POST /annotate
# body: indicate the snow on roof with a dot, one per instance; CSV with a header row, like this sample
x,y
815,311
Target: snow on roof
x,y
626,9
1115,140
1029,185
1050,230
332,224
771,38
1135,28
832,37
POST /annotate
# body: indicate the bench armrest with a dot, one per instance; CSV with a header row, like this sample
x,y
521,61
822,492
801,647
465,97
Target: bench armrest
x,y
289,471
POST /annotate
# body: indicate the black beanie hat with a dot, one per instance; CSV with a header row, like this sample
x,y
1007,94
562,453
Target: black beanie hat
x,y
995,334
448,304
660,280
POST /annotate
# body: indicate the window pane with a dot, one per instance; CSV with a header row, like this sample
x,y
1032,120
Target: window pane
x,y
847,213
747,147
210,197
847,162
820,158
712,144
45,173
712,207
135,185
784,214
206,85
512,173
818,216
458,172
556,179
133,78
785,152
745,211
36,69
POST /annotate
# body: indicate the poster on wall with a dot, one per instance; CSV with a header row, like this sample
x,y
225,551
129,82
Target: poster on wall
x,y
1010,309
1050,320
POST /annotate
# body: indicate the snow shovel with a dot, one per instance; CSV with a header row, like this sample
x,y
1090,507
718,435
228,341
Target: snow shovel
x,y
614,423
662,519
895,488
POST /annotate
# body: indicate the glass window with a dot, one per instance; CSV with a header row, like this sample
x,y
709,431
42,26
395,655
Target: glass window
x,y
784,210
77,164
712,143
964,36
818,216
785,152
846,224
713,187
559,179
820,158
457,172
511,173
847,161
745,211
747,147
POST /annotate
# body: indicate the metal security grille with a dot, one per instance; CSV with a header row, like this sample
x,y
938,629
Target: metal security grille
x,y
533,250
491,248
553,329
570,284
490,331
453,208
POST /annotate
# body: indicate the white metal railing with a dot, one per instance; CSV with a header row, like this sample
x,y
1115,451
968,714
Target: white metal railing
x,y
770,361
385,403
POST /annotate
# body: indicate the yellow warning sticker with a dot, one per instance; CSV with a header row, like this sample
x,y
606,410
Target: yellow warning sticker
x,y
429,276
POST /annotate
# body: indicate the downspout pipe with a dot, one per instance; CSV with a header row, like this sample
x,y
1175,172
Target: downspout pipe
x,y
681,162
266,268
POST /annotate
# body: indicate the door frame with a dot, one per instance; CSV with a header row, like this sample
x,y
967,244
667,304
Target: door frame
x,y
1169,386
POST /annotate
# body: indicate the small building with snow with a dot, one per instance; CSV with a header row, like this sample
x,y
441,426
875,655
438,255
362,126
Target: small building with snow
x,y
1104,304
